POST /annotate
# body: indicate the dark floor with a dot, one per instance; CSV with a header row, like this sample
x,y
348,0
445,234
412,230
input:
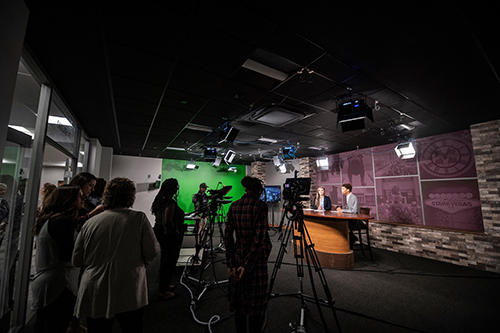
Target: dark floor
x,y
393,293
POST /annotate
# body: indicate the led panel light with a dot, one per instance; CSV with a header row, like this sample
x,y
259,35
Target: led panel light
x,y
191,166
217,161
322,163
229,157
405,150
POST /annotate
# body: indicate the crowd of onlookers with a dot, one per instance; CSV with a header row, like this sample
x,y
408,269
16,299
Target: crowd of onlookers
x,y
92,252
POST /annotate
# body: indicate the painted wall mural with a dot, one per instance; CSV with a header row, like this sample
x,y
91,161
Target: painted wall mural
x,y
437,188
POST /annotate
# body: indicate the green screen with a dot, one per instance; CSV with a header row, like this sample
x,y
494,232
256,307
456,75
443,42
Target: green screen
x,y
190,180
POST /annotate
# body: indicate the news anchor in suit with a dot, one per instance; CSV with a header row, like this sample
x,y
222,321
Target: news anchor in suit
x,y
351,206
322,202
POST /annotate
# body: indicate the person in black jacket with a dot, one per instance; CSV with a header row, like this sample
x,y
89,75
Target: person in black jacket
x,y
169,230
322,202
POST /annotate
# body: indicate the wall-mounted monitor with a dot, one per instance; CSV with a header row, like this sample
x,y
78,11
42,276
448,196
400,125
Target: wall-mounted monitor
x,y
271,193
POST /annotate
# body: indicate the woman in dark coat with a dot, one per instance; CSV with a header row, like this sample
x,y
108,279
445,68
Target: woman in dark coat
x,y
169,230
247,257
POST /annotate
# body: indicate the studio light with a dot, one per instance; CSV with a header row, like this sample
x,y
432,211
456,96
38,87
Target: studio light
x,y
229,157
282,168
405,150
217,161
191,166
289,152
322,163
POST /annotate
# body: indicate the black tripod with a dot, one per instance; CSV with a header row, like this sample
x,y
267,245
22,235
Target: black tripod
x,y
303,249
206,243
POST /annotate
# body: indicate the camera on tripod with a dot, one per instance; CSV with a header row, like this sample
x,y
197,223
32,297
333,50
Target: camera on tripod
x,y
216,196
295,188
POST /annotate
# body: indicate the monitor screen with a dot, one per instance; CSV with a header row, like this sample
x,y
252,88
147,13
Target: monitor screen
x,y
271,193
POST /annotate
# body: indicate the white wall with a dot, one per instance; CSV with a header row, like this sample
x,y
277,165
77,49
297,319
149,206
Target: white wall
x,y
273,177
140,170
106,163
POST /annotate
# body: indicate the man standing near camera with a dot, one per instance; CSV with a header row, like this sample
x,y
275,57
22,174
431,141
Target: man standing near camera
x,y
351,206
200,201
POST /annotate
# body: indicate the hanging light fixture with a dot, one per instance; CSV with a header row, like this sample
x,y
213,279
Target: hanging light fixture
x,y
405,150
322,163
191,166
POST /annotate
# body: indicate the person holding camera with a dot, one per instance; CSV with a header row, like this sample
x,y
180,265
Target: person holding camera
x,y
247,257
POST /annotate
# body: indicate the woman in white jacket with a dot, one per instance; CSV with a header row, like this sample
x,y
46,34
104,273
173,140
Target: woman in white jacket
x,y
114,247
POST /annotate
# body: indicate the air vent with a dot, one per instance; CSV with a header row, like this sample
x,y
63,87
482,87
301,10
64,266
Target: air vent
x,y
275,115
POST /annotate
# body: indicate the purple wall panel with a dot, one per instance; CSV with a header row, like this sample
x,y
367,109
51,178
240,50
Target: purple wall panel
x,y
444,161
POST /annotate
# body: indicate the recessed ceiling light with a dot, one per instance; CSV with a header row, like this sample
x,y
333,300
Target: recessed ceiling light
x,y
268,140
175,148
201,128
265,70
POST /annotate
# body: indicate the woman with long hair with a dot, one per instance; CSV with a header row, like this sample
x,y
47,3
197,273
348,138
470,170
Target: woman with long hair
x,y
169,231
87,183
55,283
113,248
322,201
247,257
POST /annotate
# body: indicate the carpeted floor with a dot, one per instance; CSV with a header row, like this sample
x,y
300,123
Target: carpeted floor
x,y
393,293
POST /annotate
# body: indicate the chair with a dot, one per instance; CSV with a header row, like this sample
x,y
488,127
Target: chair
x,y
362,229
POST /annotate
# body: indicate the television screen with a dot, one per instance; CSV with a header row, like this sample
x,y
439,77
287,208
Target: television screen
x,y
271,194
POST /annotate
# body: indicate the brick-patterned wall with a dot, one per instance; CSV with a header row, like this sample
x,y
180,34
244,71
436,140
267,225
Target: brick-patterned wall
x,y
258,170
307,169
481,251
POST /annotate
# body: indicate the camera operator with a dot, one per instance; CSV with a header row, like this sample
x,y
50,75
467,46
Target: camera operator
x,y
200,201
247,257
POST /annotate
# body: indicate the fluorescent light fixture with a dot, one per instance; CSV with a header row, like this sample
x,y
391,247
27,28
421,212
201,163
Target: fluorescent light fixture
x,y
191,166
23,130
229,157
201,128
265,70
59,121
268,140
322,163
406,127
175,148
315,148
405,150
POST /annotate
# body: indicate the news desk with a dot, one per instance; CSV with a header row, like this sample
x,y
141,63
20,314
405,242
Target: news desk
x,y
329,231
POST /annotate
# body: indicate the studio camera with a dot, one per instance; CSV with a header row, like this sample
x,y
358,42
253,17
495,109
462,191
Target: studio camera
x,y
295,188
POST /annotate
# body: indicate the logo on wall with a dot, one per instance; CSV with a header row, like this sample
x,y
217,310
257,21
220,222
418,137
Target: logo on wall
x,y
447,157
452,202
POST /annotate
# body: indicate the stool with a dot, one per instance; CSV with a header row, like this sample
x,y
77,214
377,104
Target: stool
x,y
362,228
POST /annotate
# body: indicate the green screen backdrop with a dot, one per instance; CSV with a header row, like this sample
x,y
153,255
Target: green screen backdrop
x,y
190,180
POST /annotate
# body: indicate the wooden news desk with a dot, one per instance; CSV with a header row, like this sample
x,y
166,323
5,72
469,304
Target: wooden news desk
x,y
329,232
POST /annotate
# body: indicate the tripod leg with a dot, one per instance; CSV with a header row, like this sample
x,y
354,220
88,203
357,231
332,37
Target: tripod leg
x,y
312,256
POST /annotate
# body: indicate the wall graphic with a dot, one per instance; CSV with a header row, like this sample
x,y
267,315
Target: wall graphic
x,y
443,169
